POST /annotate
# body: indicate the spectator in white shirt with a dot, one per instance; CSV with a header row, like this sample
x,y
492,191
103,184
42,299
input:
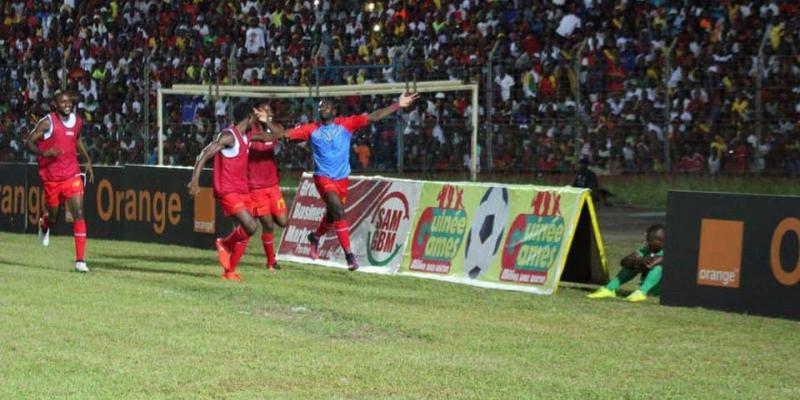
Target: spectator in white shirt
x,y
569,23
505,81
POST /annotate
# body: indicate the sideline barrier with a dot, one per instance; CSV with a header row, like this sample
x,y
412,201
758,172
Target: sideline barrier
x,y
379,211
15,198
138,203
516,237
733,252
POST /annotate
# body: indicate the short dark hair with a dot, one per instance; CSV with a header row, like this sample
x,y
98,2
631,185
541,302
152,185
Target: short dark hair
x,y
241,111
60,93
655,228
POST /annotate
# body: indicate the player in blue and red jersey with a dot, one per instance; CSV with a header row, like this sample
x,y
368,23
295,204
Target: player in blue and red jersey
x,y
330,141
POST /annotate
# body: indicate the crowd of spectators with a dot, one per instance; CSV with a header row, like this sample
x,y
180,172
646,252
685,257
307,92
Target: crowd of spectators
x,y
609,81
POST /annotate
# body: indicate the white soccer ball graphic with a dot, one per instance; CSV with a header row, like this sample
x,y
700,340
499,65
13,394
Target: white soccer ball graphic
x,y
486,232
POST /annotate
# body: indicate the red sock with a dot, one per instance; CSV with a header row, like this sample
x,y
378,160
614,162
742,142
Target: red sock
x,y
269,248
323,228
45,222
238,252
343,233
237,235
79,230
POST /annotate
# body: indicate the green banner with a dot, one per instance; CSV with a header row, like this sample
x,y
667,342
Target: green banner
x,y
511,236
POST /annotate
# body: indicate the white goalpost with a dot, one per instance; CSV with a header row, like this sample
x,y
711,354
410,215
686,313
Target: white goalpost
x,y
288,92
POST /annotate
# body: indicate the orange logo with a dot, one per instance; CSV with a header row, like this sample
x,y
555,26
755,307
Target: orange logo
x,y
784,277
204,211
720,260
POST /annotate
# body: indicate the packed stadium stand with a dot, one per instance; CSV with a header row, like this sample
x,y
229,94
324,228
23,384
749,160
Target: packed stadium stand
x,y
611,81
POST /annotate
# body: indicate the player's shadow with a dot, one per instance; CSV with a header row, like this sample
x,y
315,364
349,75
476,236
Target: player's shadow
x,y
119,263
15,264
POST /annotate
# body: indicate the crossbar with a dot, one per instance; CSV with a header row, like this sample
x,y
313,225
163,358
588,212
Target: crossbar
x,y
284,92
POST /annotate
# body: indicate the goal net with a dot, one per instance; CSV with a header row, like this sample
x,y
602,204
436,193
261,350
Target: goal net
x,y
437,134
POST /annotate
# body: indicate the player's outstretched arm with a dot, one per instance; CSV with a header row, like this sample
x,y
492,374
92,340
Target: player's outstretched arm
x,y
35,135
224,139
85,154
276,130
270,135
265,136
299,133
405,100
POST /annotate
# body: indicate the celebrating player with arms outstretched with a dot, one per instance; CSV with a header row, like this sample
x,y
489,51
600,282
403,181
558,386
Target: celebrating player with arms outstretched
x,y
56,141
330,147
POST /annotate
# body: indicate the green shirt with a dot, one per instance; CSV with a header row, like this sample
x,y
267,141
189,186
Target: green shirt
x,y
644,251
99,74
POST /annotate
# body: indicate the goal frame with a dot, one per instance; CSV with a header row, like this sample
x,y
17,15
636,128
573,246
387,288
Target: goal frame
x,y
286,92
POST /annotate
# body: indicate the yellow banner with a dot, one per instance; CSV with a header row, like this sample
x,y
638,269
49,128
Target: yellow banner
x,y
510,236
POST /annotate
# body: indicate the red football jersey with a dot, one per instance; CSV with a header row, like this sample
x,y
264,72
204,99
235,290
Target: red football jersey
x,y
262,170
230,166
62,135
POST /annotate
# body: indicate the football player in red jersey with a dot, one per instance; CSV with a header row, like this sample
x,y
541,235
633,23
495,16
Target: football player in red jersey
x,y
230,153
56,141
269,205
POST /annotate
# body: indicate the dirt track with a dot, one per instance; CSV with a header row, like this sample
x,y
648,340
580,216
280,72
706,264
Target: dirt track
x,y
627,222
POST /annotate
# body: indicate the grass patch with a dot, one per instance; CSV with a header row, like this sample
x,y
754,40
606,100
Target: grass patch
x,y
154,321
652,190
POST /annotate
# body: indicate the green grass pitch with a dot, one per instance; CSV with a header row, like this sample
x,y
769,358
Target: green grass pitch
x,y
153,321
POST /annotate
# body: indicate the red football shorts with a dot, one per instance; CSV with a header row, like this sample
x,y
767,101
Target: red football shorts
x,y
57,191
233,203
325,185
268,201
